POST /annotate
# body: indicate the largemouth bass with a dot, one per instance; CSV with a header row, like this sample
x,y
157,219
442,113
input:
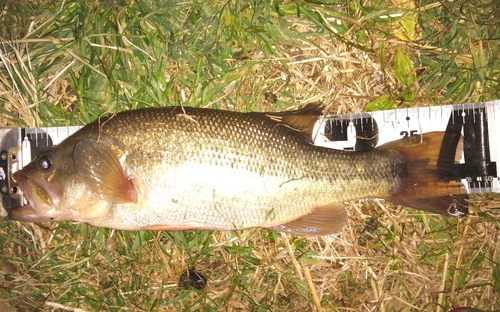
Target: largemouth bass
x,y
180,168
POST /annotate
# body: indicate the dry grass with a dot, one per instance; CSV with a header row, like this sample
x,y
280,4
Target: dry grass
x,y
386,259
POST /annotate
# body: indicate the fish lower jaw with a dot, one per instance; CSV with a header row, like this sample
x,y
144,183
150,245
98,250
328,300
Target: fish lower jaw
x,y
29,214
23,213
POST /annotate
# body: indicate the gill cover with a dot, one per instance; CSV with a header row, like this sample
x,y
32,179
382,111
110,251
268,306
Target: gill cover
x,y
99,165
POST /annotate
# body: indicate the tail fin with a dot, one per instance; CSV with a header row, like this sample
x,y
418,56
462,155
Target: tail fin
x,y
429,181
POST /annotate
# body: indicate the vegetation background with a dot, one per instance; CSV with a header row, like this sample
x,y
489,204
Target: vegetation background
x,y
67,62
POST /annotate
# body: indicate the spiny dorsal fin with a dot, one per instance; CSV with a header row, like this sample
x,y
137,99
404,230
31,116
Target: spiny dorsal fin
x,y
301,120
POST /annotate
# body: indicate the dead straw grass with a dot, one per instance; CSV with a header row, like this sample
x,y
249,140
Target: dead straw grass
x,y
385,259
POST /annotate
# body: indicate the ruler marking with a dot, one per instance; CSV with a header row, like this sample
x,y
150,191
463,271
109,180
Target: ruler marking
x,y
477,160
473,114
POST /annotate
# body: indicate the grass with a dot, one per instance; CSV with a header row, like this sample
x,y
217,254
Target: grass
x,y
68,62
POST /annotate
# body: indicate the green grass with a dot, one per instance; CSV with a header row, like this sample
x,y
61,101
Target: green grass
x,y
65,62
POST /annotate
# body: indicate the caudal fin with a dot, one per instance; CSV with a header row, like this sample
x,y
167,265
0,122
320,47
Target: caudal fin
x,y
430,181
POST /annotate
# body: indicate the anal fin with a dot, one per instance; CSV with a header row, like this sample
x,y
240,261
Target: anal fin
x,y
322,220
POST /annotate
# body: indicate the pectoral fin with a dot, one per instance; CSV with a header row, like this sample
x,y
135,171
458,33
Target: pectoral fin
x,y
323,220
99,166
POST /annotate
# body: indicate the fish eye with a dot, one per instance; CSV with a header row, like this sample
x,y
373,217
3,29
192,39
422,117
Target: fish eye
x,y
44,163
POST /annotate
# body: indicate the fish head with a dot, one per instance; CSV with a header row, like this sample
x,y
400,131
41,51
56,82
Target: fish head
x,y
55,191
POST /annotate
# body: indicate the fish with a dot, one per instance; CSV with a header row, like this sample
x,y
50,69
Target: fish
x,y
182,168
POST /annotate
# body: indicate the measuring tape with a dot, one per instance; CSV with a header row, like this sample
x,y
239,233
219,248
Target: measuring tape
x,y
477,122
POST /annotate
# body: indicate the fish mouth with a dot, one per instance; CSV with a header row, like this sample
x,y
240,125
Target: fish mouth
x,y
32,192
22,182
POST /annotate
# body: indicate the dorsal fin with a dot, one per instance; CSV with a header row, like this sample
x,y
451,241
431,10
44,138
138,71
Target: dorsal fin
x,y
301,120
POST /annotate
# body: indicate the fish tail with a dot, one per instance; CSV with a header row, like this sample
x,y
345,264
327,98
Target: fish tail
x,y
429,178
